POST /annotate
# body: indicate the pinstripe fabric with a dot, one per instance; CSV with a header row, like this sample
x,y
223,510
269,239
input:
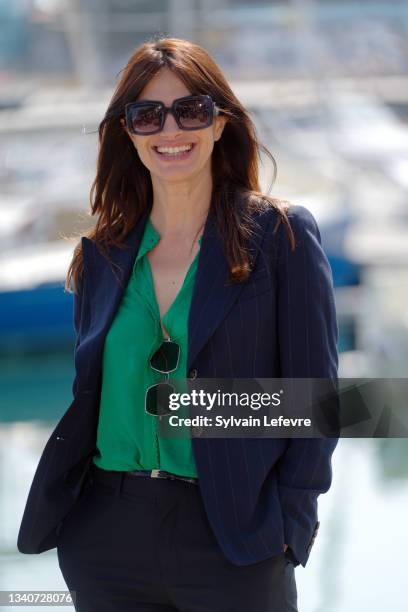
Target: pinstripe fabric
x,y
258,493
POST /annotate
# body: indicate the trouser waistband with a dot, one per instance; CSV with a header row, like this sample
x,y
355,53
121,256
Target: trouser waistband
x,y
111,477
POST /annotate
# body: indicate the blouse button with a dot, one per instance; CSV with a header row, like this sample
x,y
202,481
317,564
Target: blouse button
x,y
193,374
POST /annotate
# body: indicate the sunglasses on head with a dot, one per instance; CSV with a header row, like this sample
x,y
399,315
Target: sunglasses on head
x,y
164,360
190,112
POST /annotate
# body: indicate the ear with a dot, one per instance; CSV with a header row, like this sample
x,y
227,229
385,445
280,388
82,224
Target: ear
x,y
219,124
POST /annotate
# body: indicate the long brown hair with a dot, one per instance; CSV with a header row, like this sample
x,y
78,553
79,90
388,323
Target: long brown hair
x,y
122,189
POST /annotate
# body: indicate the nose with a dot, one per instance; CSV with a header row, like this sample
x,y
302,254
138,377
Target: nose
x,y
170,123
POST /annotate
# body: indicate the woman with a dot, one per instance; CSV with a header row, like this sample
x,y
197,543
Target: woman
x,y
189,271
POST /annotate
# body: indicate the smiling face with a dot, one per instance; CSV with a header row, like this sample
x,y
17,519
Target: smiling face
x,y
156,151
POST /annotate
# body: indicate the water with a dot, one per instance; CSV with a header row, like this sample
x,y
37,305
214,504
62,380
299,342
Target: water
x,y
35,387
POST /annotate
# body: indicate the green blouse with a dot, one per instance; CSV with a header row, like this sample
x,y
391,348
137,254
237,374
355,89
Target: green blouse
x,y
126,435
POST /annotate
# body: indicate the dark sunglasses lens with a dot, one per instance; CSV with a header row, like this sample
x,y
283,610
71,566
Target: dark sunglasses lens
x,y
165,359
145,119
194,114
158,399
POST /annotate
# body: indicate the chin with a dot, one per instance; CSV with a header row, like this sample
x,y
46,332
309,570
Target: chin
x,y
176,174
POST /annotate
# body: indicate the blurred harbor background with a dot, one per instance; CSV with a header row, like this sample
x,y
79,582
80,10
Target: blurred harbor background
x,y
327,84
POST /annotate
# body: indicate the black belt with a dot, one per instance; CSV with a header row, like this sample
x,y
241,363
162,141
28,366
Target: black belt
x,y
111,476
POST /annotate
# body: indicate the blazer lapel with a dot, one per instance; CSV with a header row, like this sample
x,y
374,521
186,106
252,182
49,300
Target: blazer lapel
x,y
211,299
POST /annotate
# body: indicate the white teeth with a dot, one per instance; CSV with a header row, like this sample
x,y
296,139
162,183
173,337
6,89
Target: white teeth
x,y
174,150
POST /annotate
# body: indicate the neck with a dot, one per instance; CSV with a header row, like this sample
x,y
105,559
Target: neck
x,y
180,209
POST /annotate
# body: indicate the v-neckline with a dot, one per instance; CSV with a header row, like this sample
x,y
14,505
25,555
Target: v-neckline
x,y
180,291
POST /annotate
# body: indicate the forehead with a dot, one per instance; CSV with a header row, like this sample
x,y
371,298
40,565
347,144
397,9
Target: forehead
x,y
165,86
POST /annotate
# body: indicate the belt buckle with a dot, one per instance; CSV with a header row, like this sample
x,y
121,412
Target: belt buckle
x,y
155,474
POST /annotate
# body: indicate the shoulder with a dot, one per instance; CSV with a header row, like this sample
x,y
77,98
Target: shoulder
x,y
302,219
287,225
274,210
300,223
76,269
301,216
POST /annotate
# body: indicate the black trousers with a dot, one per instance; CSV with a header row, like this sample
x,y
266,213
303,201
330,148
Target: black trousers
x,y
145,545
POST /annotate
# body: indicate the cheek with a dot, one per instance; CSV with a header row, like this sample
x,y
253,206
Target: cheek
x,y
206,147
144,152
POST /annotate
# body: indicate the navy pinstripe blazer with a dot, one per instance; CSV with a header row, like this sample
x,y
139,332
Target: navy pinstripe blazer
x,y
258,493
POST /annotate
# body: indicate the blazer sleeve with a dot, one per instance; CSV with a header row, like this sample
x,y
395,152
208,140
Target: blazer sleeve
x,y
308,334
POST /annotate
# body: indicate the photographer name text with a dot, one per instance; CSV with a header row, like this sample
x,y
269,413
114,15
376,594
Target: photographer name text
x,y
229,422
